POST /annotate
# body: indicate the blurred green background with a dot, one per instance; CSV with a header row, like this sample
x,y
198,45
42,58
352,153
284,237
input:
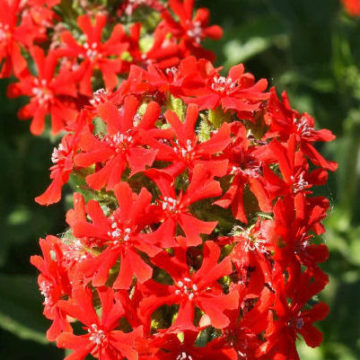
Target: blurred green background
x,y
310,48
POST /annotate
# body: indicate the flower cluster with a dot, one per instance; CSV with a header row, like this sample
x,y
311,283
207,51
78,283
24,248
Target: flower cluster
x,y
65,76
195,233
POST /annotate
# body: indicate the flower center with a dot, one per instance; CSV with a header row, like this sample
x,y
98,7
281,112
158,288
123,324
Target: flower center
x,y
253,240
171,73
119,141
4,32
223,85
91,51
298,322
185,152
99,97
45,289
97,336
42,92
186,288
252,171
195,31
184,356
58,154
299,183
303,126
241,354
170,204
74,252
119,235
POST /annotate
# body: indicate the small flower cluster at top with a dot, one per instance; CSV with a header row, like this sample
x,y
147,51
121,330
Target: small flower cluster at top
x,y
78,50
196,231
352,7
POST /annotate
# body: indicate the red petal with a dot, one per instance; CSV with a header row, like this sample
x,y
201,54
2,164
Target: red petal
x,y
139,158
142,270
218,142
53,193
312,336
123,281
185,317
193,227
151,115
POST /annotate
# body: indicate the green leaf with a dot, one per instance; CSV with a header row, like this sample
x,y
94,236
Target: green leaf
x,y
237,51
178,106
20,307
218,116
252,38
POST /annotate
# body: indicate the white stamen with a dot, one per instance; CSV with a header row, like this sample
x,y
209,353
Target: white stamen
x,y
184,356
97,336
186,288
303,126
169,204
74,252
223,85
185,152
99,97
91,51
42,92
4,32
118,234
300,183
119,141
45,289
196,31
57,154
172,71
254,240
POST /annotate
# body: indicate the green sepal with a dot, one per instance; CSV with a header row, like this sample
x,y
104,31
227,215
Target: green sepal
x,y
178,106
218,116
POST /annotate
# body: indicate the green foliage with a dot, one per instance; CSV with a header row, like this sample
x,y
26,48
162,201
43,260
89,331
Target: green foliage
x,y
20,307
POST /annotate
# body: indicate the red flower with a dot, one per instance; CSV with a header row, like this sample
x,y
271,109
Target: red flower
x,y
62,158
39,17
251,255
162,82
187,151
168,346
246,169
191,30
291,318
238,91
190,290
163,52
291,229
284,121
198,239
248,320
50,94
95,54
174,209
120,235
296,179
121,145
102,340
53,282
11,37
